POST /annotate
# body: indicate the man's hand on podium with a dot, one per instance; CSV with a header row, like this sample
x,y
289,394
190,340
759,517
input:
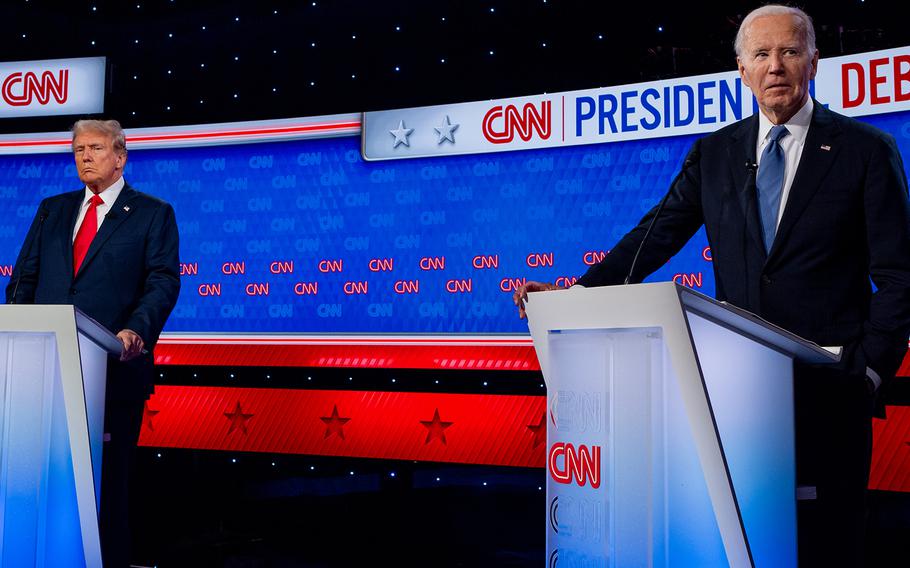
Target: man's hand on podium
x,y
132,344
521,294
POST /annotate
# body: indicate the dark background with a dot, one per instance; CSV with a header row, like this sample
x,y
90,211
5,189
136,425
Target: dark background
x,y
190,62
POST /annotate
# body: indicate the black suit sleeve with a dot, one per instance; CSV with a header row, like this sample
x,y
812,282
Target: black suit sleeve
x,y
162,277
680,219
24,279
887,219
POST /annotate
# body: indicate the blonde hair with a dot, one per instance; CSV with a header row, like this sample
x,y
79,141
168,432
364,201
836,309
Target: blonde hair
x,y
803,23
111,128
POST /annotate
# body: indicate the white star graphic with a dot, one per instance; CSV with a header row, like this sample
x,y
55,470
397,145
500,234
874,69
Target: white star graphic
x,y
445,131
401,135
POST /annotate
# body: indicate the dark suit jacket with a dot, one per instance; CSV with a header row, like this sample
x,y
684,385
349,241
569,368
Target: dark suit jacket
x,y
128,280
846,220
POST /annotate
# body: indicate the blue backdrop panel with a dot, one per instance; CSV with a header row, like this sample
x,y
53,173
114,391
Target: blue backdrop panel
x,y
305,236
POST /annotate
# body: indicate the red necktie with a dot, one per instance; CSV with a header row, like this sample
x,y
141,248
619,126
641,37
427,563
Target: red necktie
x,y
86,233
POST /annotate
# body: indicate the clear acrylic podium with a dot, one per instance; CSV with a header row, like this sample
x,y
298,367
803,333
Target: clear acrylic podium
x,y
52,380
669,430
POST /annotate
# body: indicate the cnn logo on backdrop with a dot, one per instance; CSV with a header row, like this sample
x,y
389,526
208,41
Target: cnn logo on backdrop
x,y
502,123
21,89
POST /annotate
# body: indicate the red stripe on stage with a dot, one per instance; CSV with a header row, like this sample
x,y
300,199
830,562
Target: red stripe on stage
x,y
458,428
406,355
891,451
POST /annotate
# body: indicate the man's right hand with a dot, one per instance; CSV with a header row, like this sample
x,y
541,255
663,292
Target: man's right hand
x,y
521,294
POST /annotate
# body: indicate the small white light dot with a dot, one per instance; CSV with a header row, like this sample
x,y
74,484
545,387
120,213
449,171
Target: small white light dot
x,y
135,77
274,51
313,44
168,71
233,460
397,28
170,35
203,27
442,60
23,35
202,65
491,52
660,28
350,378
312,467
138,6
397,68
309,378
274,89
133,113
351,472
236,95
354,36
232,376
161,375
437,479
94,9
268,376
236,58
93,42
353,76
600,36
312,83
168,108
544,44
436,381
194,375
237,19
484,383
539,488
492,10
392,474
275,12
273,464
159,455
443,18
484,483
200,101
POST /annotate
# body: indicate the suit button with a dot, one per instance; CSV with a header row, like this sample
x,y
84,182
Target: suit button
x,y
765,279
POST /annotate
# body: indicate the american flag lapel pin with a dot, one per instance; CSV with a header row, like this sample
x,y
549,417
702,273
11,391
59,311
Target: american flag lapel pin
x,y
826,148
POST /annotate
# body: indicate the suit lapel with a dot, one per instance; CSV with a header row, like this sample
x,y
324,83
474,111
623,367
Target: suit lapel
x,y
68,215
819,153
118,213
742,158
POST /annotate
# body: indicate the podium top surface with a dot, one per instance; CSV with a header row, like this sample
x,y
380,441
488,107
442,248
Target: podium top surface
x,y
49,318
639,305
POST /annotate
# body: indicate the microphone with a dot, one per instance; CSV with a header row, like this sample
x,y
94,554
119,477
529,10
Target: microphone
x,y
691,159
42,215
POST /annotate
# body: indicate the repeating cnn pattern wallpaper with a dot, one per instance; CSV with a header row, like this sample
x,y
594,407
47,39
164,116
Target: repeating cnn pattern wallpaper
x,y
305,236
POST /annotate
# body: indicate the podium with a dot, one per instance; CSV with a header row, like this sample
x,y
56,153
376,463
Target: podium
x,y
52,381
670,428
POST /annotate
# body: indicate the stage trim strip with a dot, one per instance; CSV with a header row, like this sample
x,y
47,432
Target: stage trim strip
x,y
505,430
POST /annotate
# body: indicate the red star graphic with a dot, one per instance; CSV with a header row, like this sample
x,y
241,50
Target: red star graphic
x,y
334,424
540,430
238,419
436,428
147,415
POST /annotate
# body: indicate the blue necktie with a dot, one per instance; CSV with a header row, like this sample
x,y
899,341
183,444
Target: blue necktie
x,y
770,182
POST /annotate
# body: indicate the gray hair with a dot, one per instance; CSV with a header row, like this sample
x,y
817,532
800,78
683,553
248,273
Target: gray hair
x,y
111,128
803,23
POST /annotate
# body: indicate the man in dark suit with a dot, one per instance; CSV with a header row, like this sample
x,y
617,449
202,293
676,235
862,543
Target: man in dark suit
x,y
112,252
802,208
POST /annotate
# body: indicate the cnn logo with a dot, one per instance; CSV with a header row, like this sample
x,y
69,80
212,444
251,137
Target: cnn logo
x,y
500,124
581,466
19,89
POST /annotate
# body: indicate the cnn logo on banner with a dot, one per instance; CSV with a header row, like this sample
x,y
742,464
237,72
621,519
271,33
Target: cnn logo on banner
x,y
20,89
500,124
581,466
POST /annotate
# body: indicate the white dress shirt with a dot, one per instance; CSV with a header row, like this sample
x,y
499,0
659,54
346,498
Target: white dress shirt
x,y
109,196
792,145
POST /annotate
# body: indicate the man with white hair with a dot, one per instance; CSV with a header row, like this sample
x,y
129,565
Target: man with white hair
x,y
112,252
804,210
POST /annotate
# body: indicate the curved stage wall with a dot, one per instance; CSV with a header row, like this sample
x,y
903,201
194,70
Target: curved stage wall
x,y
298,252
